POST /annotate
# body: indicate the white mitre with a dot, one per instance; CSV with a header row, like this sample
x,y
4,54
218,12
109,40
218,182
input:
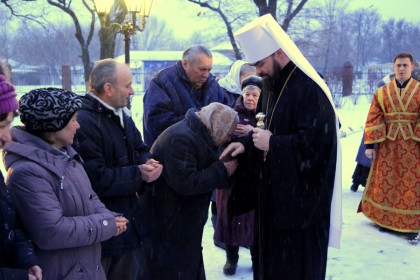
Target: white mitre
x,y
264,36
258,40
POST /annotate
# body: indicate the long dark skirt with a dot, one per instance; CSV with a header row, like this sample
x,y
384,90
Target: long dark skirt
x,y
232,230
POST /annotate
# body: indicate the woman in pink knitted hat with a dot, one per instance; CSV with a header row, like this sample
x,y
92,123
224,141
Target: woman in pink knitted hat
x,y
17,257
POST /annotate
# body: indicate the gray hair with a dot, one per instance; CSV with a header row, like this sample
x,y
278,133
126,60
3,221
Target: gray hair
x,y
246,68
103,71
251,87
192,52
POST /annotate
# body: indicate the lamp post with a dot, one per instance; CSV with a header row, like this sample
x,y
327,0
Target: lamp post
x,y
135,8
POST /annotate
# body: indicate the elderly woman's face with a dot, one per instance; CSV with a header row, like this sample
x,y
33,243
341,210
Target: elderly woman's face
x,y
251,96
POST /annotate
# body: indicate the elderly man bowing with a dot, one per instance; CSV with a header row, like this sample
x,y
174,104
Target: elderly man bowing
x,y
299,162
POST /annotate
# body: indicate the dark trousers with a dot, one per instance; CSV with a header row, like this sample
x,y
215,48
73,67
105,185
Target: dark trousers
x,y
232,254
118,267
360,175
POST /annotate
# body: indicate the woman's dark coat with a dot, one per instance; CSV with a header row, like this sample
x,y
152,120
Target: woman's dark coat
x,y
175,208
235,225
16,251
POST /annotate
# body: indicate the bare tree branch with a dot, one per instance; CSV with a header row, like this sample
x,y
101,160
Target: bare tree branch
x,y
61,4
13,11
292,13
226,21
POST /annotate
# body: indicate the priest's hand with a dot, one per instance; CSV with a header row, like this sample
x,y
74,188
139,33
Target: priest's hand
x,y
261,138
370,153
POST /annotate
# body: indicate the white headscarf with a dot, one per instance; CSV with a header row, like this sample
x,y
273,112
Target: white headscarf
x,y
258,40
231,82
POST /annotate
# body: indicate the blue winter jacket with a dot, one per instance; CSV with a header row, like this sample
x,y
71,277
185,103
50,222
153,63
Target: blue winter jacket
x,y
170,95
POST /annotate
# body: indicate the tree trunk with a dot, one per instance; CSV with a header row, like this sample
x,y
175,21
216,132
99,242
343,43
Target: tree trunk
x,y
86,65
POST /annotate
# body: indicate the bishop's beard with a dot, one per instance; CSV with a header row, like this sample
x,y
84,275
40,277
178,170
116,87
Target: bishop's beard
x,y
270,83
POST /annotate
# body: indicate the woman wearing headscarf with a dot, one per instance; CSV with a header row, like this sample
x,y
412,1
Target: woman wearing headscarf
x,y
235,225
54,198
231,83
17,256
175,209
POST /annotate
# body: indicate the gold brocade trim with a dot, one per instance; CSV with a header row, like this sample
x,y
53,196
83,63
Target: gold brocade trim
x,y
391,209
411,96
403,99
381,92
401,116
375,127
392,91
400,121
416,133
388,227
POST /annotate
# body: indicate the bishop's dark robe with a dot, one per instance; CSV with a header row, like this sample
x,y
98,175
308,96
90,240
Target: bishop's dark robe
x,y
296,181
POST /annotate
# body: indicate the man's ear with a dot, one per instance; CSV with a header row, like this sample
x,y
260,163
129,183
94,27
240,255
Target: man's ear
x,y
184,64
280,52
107,88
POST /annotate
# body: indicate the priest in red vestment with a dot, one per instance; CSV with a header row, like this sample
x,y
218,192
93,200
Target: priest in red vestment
x,y
392,194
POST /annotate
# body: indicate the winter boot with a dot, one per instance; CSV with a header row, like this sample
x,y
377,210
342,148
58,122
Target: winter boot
x,y
354,187
413,238
230,268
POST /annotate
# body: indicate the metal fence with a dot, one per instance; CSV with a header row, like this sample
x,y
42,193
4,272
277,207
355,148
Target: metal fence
x,y
363,82
28,78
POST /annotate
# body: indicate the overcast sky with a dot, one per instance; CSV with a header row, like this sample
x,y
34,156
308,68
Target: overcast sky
x,y
182,15
403,9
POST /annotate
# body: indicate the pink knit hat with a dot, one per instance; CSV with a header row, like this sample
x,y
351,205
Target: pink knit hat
x,y
8,101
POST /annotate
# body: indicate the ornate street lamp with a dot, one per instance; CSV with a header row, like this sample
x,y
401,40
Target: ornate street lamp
x,y
129,27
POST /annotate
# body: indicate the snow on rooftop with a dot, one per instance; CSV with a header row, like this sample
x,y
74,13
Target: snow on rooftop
x,y
135,56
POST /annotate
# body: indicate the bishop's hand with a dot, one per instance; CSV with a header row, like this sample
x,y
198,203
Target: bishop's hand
x,y
261,138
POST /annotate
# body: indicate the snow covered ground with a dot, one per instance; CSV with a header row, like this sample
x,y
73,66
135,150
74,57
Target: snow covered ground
x,y
365,252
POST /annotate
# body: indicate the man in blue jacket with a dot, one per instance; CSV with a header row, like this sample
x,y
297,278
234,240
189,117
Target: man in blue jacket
x,y
174,90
